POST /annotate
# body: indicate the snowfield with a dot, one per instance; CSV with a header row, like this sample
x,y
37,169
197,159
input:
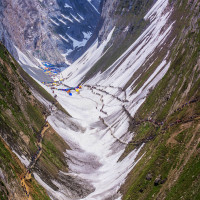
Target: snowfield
x,y
97,132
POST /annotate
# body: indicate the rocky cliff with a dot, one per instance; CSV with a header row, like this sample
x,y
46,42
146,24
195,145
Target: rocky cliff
x,y
48,30
127,19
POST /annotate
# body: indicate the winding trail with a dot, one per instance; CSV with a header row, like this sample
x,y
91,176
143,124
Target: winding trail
x,y
98,97
156,124
107,93
111,132
132,120
103,121
27,175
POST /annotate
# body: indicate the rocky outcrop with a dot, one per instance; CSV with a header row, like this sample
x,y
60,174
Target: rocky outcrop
x,y
125,16
48,30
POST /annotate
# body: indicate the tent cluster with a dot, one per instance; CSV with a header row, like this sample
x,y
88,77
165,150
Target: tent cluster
x,y
68,90
50,69
53,83
58,83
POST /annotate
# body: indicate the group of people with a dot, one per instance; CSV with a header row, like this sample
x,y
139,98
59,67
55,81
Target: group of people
x,y
69,90
50,69
34,157
25,189
33,161
178,121
186,104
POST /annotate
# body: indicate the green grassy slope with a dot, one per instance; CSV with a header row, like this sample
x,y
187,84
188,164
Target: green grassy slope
x,y
170,166
21,119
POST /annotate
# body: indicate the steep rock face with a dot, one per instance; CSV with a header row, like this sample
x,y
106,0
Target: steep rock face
x,y
4,36
127,19
48,30
75,24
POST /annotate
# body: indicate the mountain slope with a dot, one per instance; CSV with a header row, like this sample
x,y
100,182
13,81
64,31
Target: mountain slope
x,y
48,30
170,167
21,117
22,120
169,45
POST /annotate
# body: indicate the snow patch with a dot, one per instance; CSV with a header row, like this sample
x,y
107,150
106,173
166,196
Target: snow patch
x,y
80,16
23,59
54,22
62,21
75,18
77,43
50,191
22,158
66,40
67,5
81,66
93,6
66,17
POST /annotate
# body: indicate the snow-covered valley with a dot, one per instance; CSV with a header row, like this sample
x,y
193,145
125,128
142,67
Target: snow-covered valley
x,y
98,130
122,122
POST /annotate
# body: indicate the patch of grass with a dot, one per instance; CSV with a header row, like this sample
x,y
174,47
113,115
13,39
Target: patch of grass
x,y
38,191
188,184
8,163
2,53
35,116
52,153
159,160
